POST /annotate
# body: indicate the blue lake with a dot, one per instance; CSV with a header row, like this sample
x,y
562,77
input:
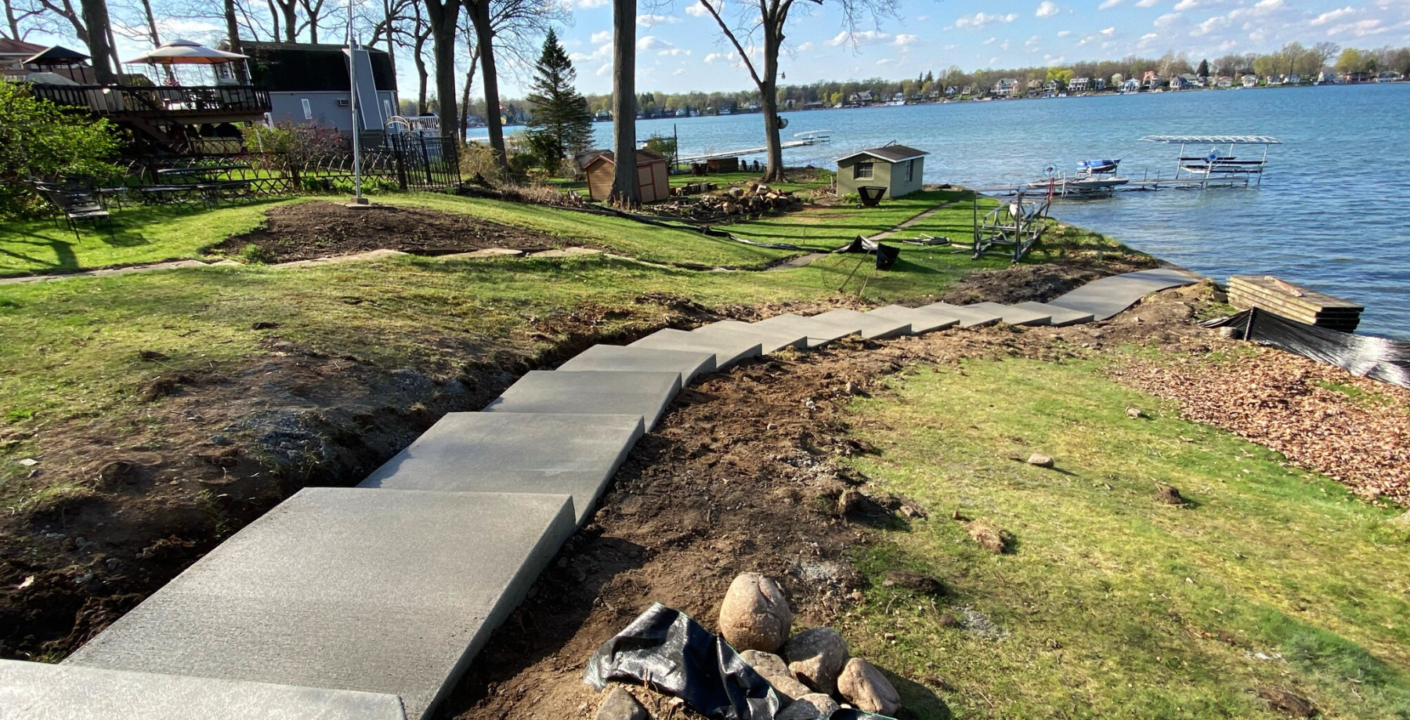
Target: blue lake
x,y
1331,212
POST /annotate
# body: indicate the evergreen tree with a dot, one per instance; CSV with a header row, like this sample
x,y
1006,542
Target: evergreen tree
x,y
560,122
1203,69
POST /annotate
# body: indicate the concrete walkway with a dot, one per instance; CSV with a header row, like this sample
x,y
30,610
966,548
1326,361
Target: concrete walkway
x,y
357,603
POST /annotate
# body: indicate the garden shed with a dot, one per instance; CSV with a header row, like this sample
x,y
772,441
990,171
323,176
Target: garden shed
x,y
897,168
651,173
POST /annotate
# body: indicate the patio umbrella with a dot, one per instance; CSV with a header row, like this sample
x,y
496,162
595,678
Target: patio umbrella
x,y
186,52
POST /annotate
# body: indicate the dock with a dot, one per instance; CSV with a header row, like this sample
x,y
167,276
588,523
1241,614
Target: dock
x,y
686,159
1293,302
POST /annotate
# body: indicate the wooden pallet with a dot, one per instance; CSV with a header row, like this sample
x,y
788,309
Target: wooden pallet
x,y
1293,302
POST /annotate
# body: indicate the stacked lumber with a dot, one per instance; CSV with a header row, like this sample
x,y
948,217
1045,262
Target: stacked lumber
x,y
1294,302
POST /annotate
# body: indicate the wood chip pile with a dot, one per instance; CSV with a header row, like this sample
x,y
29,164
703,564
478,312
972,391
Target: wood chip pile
x,y
1358,435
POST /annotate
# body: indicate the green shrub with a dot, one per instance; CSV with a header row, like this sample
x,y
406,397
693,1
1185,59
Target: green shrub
x,y
38,140
253,254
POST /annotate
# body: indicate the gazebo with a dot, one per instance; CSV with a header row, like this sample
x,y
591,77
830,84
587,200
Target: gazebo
x,y
185,52
58,56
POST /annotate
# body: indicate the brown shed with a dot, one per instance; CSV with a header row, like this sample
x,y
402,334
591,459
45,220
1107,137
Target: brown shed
x,y
651,174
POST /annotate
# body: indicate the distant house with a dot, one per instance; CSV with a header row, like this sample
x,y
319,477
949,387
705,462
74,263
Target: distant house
x,y
1099,84
1180,82
1224,82
1249,81
1130,86
309,84
1294,79
1152,80
651,173
1079,84
13,54
861,98
897,168
1005,87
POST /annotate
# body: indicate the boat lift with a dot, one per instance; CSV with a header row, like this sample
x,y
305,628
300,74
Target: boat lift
x,y
1013,227
1218,168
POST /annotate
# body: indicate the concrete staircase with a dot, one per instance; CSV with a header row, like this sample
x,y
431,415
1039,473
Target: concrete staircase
x,y
371,602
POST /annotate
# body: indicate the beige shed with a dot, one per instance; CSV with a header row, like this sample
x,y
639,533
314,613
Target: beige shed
x,y
651,172
899,169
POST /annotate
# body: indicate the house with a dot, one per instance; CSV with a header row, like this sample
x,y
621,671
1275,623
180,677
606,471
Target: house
x,y
897,168
1249,81
309,84
1294,79
651,173
861,98
1079,84
1152,80
1181,82
1224,83
1131,86
13,54
1099,84
1005,87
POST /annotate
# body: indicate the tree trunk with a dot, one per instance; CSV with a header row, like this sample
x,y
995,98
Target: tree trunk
x,y
626,187
443,16
232,28
768,97
156,36
291,27
484,44
95,17
465,102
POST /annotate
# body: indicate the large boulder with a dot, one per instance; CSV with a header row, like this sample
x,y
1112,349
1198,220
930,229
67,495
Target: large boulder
x,y
817,657
620,705
755,615
775,670
814,706
867,689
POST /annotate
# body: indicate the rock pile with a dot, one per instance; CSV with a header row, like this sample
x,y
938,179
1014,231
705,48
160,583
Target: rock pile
x,y
750,200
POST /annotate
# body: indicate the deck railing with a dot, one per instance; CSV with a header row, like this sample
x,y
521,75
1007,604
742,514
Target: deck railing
x,y
175,102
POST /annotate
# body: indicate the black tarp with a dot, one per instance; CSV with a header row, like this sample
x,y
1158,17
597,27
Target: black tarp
x,y
667,651
886,255
1363,355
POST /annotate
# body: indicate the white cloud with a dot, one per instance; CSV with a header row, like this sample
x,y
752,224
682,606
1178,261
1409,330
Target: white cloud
x,y
1032,43
865,37
1064,33
990,41
1167,20
653,20
1147,3
903,40
731,57
696,9
606,69
589,4
1210,25
1108,4
601,37
805,47
1109,32
1333,15
884,62
980,19
1047,8
1361,28
651,42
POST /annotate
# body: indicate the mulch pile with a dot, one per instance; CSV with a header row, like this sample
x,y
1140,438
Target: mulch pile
x,y
1283,401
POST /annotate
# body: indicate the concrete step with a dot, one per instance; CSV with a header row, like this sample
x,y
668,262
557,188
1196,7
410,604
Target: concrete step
x,y
536,453
1105,297
1012,315
818,334
615,358
1058,316
770,340
871,327
727,350
591,392
36,690
921,321
389,592
968,316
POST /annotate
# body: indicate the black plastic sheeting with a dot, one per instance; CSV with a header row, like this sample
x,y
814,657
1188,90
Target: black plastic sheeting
x,y
667,651
1363,355
886,255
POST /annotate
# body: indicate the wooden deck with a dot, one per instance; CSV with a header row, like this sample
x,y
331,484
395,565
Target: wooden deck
x,y
1294,302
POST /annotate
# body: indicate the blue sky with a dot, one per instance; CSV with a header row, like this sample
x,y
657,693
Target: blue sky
x,y
680,49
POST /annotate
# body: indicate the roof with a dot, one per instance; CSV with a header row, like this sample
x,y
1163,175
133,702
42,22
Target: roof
x,y
888,153
18,47
56,55
1213,139
304,67
592,156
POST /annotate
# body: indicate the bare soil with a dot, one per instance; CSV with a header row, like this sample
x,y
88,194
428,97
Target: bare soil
x,y
306,231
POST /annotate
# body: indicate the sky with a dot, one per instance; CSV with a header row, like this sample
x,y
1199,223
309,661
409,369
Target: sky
x,y
679,48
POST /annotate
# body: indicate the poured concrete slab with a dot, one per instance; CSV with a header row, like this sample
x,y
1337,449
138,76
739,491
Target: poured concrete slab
x,y
387,592
1057,315
41,691
615,358
770,339
968,316
727,350
818,334
1105,297
591,392
573,455
871,327
1013,315
920,321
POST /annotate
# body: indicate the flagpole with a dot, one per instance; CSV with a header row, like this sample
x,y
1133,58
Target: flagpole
x,y
357,140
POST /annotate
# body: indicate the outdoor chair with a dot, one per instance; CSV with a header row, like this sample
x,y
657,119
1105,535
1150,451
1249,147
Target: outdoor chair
x,y
870,195
75,206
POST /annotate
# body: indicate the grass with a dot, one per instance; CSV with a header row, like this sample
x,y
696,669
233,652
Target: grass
x,y
1112,604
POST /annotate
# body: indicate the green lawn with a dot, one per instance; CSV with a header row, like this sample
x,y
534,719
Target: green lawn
x,y
1112,604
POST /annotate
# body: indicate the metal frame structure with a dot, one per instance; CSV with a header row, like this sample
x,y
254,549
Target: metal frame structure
x,y
1214,169
1014,226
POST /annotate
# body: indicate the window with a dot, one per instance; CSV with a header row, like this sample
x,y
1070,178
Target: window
x,y
308,109
861,171
910,170
386,108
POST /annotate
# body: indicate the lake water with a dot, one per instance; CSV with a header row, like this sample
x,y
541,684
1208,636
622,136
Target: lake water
x,y
1331,213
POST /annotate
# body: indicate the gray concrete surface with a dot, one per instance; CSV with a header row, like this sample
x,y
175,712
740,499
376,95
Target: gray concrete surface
x,y
387,592
727,351
615,358
41,691
592,392
968,316
818,334
919,320
770,340
1011,314
533,453
872,327
1108,296
1057,315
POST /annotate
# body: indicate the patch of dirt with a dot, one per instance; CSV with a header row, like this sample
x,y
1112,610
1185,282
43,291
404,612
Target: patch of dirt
x,y
311,230
1038,282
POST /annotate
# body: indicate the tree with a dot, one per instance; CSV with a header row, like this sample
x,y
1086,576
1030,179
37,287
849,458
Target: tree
x,y
1203,71
1324,52
560,122
441,17
772,16
39,140
626,188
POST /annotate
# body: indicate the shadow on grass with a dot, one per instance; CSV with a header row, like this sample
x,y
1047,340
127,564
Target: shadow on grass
x,y
918,702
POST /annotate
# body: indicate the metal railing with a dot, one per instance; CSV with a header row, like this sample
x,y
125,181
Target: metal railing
x,y
175,102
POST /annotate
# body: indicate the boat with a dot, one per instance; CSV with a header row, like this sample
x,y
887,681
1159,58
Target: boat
x,y
1093,177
